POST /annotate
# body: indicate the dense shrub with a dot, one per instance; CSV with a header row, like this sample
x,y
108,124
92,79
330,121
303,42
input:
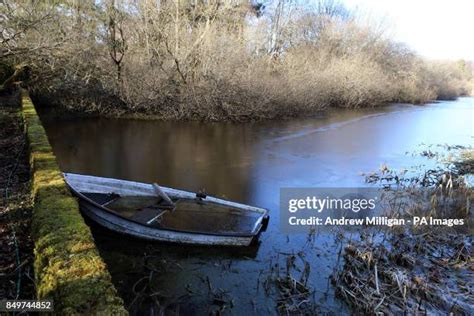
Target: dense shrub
x,y
217,60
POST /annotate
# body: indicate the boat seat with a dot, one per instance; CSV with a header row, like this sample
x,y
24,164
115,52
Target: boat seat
x,y
148,215
101,198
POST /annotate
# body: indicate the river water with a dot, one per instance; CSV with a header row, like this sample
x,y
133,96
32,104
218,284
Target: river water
x,y
249,163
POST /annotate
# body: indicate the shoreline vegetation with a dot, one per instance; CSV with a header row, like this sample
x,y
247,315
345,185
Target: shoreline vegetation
x,y
421,269
213,61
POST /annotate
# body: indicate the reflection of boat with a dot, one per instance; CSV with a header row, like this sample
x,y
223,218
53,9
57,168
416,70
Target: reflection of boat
x,y
164,214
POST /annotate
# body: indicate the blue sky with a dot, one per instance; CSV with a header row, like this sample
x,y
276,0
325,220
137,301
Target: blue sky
x,y
435,29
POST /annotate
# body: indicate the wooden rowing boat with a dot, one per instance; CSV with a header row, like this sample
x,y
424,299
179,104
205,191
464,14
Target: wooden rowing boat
x,y
164,214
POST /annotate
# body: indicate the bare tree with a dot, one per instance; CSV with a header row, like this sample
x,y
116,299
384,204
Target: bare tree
x,y
115,37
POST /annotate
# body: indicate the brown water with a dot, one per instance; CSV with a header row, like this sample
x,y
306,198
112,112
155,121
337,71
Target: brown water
x,y
248,163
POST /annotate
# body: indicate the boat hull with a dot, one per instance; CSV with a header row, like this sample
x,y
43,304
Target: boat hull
x,y
118,225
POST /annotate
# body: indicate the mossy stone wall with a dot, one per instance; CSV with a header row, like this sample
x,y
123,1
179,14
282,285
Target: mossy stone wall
x,y
68,267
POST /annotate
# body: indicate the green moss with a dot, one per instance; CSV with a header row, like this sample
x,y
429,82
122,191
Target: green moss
x,y
68,267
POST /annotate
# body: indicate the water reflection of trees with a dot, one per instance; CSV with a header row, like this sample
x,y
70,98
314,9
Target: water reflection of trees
x,y
192,156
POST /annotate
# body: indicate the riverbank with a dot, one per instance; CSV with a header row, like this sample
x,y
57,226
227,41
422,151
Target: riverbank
x,y
68,267
47,250
66,107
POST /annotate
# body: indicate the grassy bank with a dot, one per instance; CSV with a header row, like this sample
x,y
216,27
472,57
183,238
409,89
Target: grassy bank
x,y
68,267
222,60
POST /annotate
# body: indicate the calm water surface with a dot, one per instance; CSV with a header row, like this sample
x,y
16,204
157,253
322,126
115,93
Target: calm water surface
x,y
248,163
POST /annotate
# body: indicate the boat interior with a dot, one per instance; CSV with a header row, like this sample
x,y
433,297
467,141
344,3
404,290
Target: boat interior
x,y
186,215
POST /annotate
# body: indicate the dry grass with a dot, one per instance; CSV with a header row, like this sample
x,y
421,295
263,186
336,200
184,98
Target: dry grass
x,y
409,273
415,269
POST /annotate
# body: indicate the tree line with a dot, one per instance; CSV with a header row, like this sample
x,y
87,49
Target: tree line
x,y
213,59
